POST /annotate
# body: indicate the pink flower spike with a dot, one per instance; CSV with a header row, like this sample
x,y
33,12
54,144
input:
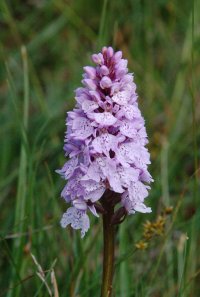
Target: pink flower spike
x,y
105,143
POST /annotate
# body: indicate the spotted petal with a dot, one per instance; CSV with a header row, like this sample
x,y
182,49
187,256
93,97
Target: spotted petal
x,y
68,169
82,128
105,143
121,98
105,118
78,219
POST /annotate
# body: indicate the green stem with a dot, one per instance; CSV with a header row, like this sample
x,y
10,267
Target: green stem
x,y
108,256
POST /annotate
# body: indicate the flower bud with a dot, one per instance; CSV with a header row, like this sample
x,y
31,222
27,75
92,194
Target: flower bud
x,y
105,82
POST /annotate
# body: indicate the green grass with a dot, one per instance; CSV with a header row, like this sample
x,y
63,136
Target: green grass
x,y
44,45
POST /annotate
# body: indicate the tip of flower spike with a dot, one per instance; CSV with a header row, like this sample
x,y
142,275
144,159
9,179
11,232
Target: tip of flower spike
x,y
105,82
104,49
104,70
91,71
118,56
98,59
110,52
89,83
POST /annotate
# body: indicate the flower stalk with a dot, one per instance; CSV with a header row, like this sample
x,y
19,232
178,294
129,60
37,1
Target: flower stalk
x,y
109,247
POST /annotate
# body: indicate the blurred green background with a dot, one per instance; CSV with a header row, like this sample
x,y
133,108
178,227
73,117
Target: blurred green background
x,y
44,45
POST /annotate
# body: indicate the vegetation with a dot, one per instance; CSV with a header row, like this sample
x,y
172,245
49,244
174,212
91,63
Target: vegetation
x,y
44,45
